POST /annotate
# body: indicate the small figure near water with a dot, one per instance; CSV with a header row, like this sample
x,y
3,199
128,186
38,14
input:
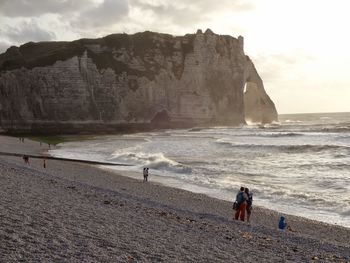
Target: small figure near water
x,y
44,163
240,204
282,224
26,159
145,174
249,203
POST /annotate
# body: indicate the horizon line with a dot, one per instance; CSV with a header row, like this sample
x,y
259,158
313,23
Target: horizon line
x,y
291,113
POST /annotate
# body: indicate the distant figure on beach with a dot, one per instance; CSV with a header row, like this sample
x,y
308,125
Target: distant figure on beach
x,y
26,159
249,203
282,224
44,163
145,174
241,200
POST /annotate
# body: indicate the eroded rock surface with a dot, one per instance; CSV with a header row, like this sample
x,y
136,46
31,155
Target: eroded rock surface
x,y
123,82
259,108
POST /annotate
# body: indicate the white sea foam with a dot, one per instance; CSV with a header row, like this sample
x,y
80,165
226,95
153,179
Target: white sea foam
x,y
297,167
155,161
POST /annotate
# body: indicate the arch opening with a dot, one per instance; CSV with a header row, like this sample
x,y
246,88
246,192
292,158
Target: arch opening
x,y
258,107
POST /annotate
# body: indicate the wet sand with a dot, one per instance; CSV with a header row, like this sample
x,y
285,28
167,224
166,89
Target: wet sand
x,y
75,212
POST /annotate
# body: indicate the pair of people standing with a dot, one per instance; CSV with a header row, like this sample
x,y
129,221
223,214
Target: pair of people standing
x,y
145,174
243,204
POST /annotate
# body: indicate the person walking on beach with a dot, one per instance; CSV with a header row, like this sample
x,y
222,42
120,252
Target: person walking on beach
x,y
145,174
241,200
26,159
249,206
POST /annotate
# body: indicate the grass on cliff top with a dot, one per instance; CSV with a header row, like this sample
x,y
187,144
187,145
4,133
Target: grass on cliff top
x,y
57,139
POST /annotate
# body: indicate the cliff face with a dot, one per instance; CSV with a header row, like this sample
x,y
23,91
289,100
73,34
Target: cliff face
x,y
258,107
121,81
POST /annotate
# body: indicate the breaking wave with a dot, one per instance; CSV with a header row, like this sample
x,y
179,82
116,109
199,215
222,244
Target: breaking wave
x,y
155,161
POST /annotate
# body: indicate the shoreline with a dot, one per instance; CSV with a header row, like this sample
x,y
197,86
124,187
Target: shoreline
x,y
42,152
211,193
145,221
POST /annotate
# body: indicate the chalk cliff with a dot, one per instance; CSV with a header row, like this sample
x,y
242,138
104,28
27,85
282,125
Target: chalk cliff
x,y
123,82
258,107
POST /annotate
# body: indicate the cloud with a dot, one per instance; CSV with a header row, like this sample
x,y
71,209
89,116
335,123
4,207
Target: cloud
x,y
162,12
26,8
107,13
197,6
183,12
277,66
4,46
25,32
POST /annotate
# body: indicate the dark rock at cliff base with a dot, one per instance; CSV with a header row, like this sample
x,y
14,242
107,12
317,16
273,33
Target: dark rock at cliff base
x,y
130,82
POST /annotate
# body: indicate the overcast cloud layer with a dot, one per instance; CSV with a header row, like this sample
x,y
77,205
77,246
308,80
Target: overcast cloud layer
x,y
299,47
38,20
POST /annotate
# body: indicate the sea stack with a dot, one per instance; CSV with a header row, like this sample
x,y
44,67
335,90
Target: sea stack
x,y
127,82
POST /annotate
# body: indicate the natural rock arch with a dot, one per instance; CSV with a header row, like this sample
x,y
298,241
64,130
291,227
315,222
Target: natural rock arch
x,y
258,107
139,81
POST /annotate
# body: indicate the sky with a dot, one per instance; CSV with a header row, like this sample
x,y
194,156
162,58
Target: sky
x,y
301,48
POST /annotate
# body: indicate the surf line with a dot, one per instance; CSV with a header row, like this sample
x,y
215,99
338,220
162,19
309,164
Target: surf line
x,y
63,159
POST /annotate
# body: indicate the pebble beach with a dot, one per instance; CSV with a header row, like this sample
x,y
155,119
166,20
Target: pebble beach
x,y
76,212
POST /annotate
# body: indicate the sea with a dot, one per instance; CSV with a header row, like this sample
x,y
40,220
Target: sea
x,y
299,165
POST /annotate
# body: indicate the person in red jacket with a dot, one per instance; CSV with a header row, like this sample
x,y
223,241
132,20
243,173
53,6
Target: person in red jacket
x,y
241,199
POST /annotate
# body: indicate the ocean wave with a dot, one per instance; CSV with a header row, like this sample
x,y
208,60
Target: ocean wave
x,y
292,121
197,129
294,195
280,134
269,135
299,198
313,148
155,161
340,156
341,129
198,163
259,125
284,148
346,213
328,166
